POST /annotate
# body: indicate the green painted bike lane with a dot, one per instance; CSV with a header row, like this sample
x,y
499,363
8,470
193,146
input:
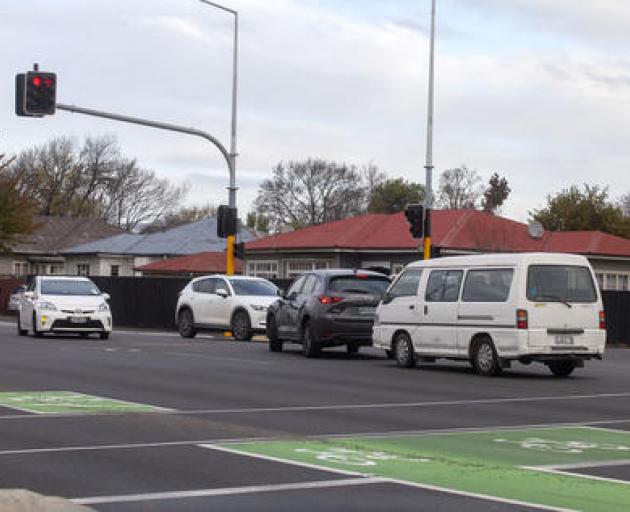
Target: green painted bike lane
x,y
489,463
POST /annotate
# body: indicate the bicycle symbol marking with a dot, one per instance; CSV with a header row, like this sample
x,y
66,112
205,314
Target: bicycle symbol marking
x,y
357,457
549,445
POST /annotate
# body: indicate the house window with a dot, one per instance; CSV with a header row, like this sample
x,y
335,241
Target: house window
x,y
55,269
20,268
267,269
297,267
600,281
83,269
114,270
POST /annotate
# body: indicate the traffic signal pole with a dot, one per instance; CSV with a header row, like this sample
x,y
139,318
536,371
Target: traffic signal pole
x,y
428,201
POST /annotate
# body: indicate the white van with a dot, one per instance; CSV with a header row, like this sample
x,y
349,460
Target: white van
x,y
493,309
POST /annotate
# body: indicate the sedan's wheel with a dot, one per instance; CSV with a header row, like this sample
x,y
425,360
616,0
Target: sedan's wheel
x,y
20,331
104,335
562,368
241,326
186,324
36,333
310,347
403,351
485,359
275,345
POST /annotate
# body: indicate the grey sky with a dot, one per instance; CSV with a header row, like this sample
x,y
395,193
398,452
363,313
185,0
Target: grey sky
x,y
536,90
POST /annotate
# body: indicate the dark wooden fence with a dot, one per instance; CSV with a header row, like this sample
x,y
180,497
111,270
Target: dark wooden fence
x,y
617,309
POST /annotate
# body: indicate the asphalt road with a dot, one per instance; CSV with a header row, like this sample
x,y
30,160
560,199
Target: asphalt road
x,y
215,391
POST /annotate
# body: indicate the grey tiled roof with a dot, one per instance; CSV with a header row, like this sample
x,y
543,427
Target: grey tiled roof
x,y
200,236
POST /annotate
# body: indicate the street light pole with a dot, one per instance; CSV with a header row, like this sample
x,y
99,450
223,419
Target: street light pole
x,y
428,201
233,151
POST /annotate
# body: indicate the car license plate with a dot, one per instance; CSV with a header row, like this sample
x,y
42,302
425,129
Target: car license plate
x,y
564,339
367,311
78,319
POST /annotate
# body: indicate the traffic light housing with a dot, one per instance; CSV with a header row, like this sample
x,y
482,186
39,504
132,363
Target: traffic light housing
x,y
415,217
239,250
35,94
226,221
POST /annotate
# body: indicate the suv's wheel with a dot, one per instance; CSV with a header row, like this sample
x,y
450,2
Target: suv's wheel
x,y
310,347
275,345
241,326
403,351
186,324
104,335
20,331
485,358
562,368
36,333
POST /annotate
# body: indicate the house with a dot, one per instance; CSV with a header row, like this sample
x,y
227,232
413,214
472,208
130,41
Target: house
x,y
200,264
124,254
383,242
41,252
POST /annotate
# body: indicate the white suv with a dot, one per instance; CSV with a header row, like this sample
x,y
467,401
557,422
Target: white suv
x,y
220,303
64,304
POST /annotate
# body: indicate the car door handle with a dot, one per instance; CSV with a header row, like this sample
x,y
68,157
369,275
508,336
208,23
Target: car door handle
x,y
412,307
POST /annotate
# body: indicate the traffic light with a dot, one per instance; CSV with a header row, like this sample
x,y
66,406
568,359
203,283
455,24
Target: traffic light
x,y
415,217
226,221
35,94
239,250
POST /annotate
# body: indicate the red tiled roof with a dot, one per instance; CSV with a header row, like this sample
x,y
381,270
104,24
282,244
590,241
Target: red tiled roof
x,y
452,229
200,263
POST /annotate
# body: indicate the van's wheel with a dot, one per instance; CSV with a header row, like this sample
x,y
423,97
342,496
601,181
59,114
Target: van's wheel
x,y
241,326
310,347
275,345
403,351
562,368
20,331
36,333
186,324
485,358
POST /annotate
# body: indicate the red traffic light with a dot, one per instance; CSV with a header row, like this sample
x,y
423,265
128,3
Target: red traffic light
x,y
37,81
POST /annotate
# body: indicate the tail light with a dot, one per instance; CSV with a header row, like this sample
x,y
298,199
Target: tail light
x,y
330,300
521,319
602,320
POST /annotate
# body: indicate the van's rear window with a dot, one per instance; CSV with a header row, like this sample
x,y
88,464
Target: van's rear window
x,y
560,283
368,285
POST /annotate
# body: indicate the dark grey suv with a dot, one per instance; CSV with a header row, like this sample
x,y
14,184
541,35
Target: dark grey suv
x,y
326,308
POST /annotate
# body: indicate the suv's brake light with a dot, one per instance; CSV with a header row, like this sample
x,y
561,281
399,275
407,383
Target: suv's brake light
x,y
521,319
602,320
330,300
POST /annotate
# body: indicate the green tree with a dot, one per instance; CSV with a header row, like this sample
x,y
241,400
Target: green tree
x,y
16,208
589,209
495,195
393,195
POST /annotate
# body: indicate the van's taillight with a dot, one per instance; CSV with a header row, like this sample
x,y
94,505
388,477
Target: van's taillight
x,y
602,320
330,300
521,319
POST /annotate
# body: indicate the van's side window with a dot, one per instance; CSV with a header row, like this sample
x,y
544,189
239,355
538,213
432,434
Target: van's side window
x,y
488,285
443,285
406,284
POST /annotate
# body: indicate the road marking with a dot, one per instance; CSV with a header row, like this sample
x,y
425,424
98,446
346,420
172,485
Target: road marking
x,y
229,491
589,464
578,475
217,358
388,480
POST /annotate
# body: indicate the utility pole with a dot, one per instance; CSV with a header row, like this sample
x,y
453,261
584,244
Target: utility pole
x,y
428,201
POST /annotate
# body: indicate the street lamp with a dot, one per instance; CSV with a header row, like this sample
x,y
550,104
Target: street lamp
x,y
233,154
428,201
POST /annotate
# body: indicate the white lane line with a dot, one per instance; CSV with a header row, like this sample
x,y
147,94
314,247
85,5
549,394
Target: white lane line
x,y
577,475
347,435
228,491
217,358
391,480
585,465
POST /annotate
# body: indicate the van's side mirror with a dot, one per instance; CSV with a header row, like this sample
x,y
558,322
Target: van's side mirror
x,y
106,296
222,292
387,298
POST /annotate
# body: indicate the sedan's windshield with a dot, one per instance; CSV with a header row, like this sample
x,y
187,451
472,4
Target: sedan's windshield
x,y
368,285
253,287
560,283
68,287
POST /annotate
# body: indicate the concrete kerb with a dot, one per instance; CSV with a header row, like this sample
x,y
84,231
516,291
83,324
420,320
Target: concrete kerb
x,y
22,500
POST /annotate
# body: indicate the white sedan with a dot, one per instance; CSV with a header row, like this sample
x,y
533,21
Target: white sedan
x,y
64,305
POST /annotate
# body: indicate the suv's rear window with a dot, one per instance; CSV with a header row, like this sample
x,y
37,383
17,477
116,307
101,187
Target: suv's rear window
x,y
369,285
560,283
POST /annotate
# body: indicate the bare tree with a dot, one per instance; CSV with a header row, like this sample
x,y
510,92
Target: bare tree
x,y
184,215
315,191
459,188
